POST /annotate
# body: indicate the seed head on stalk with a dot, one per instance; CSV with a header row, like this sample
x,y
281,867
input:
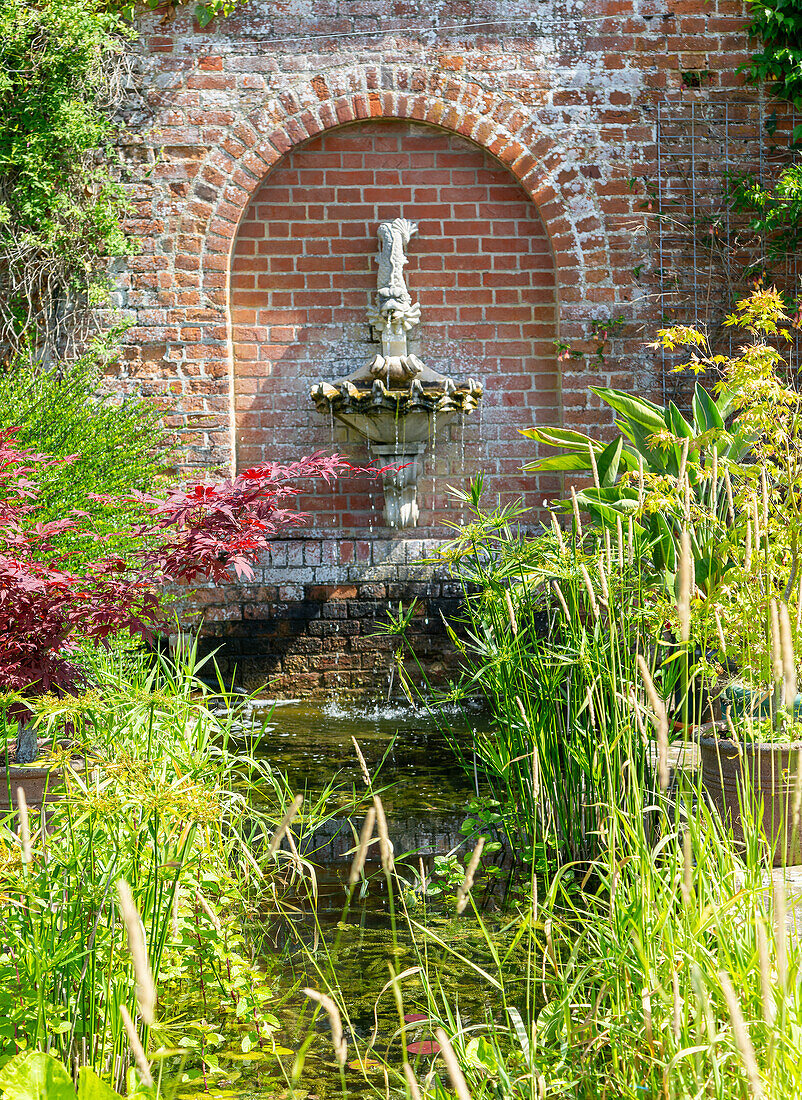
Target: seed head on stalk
x,y
145,989
335,1021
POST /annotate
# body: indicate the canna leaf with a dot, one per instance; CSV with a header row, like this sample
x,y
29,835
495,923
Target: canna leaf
x,y
705,412
634,409
609,461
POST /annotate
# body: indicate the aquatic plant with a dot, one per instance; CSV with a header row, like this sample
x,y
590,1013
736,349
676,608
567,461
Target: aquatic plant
x,y
162,796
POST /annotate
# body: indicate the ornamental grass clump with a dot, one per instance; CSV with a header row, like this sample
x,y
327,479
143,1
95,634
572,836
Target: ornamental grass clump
x,y
135,901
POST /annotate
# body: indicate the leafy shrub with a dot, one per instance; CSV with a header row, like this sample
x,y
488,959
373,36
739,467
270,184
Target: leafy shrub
x,y
46,605
61,65
67,410
778,24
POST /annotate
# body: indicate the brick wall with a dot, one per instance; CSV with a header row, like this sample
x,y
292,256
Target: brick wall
x,y
303,273
523,137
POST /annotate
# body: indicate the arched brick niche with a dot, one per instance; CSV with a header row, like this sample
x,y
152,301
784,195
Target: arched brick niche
x,y
302,272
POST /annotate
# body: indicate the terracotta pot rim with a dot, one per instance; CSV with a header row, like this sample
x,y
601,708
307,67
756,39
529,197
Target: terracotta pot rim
x,y
749,746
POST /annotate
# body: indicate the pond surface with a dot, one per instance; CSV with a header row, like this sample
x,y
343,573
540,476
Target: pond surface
x,y
426,794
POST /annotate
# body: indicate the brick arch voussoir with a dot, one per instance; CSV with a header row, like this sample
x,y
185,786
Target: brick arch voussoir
x,y
496,123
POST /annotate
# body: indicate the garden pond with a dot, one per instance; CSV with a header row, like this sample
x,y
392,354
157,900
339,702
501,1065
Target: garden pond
x,y
428,797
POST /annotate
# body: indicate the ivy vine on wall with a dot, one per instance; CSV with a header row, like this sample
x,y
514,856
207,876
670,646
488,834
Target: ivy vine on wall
x,y
778,26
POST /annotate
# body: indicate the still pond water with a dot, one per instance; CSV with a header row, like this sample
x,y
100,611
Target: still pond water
x,y
427,796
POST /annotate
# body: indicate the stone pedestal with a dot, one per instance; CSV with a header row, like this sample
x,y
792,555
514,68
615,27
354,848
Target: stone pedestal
x,y
401,484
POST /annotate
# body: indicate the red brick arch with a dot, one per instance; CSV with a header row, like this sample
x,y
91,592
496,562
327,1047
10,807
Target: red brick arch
x,y
505,128
203,233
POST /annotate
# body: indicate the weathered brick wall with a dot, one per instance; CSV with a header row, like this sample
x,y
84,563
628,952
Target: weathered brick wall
x,y
521,135
303,271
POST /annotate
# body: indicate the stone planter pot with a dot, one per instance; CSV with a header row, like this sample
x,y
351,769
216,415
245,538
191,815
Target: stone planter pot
x,y
41,783
741,701
756,770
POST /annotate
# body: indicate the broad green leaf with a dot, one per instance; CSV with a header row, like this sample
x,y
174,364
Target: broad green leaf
x,y
570,463
679,425
561,437
90,1087
609,461
725,402
664,548
34,1075
705,413
636,409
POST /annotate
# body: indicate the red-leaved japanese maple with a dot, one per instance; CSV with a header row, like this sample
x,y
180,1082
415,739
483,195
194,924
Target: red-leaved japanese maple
x,y
203,532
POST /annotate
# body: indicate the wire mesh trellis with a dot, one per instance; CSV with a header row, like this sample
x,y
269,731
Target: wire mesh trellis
x,y
706,248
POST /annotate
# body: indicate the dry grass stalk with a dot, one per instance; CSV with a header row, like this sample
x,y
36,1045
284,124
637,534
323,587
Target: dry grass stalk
x,y
638,720
676,1002
687,868
741,1035
630,540
641,481
385,846
756,521
470,873
788,661
660,723
619,531
594,607
145,988
780,935
766,994
452,1065
603,581
720,633
414,1090
685,574
24,826
557,532
577,520
730,499
646,1003
797,804
559,594
363,767
210,913
511,613
335,1022
136,1047
776,648
284,825
365,839
593,466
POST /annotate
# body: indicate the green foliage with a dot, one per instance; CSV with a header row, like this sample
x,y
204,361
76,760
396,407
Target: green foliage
x,y
34,1075
776,211
778,24
61,65
153,792
640,477
69,410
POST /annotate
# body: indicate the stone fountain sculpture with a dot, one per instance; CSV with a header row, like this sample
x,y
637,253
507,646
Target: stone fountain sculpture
x,y
395,401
